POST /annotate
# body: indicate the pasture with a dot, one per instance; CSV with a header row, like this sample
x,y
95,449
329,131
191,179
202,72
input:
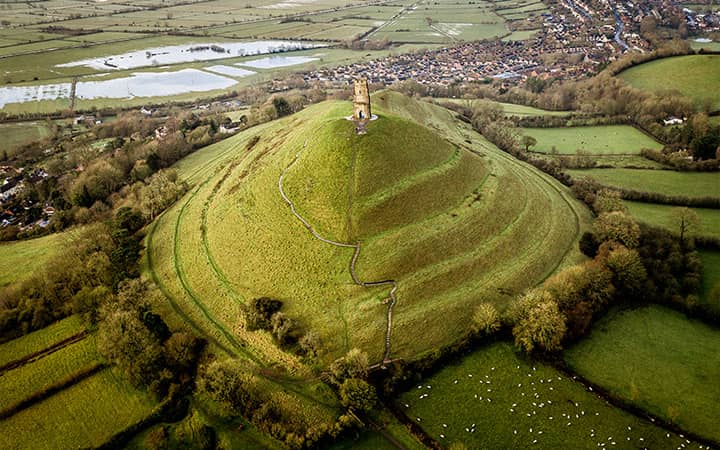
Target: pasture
x,y
443,22
510,109
666,182
462,229
22,259
15,135
496,398
695,76
86,414
659,360
662,216
19,383
39,340
710,290
596,140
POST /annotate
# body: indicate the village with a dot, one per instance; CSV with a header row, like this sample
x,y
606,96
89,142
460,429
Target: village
x,y
575,40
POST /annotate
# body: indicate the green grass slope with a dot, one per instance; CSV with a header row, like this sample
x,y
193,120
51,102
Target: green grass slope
x,y
659,360
451,218
22,259
695,76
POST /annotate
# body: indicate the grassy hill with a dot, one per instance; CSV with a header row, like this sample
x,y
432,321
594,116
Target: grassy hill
x,y
437,208
695,76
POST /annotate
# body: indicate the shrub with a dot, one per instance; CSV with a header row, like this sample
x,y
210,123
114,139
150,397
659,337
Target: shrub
x,y
358,394
353,365
486,319
229,383
617,226
539,324
259,312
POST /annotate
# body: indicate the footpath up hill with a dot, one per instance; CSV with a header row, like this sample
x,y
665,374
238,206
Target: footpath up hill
x,y
433,206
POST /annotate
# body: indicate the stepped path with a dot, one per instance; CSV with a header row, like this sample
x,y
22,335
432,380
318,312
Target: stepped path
x,y
391,300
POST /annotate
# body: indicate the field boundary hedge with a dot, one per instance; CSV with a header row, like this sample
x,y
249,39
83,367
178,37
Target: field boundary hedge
x,y
662,199
44,352
170,410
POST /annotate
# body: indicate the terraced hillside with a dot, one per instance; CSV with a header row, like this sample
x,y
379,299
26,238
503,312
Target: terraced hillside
x,y
420,199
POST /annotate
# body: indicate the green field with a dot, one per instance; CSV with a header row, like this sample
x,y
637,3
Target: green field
x,y
16,135
84,415
710,277
712,46
20,383
695,76
510,109
495,398
39,340
449,21
659,360
662,216
21,259
666,182
443,251
597,140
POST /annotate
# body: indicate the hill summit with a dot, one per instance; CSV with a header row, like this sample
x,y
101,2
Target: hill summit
x,y
420,217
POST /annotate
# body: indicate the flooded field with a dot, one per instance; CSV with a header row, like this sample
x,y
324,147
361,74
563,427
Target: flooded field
x,y
230,71
277,61
149,84
177,54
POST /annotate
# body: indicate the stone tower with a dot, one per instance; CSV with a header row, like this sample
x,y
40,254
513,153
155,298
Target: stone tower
x,y
361,101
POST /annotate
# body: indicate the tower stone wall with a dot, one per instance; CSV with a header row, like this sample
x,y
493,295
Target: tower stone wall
x,y
361,101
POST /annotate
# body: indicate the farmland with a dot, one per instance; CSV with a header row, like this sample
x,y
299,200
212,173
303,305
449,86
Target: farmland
x,y
16,135
510,109
239,197
495,398
710,279
29,378
445,21
659,360
35,342
85,414
22,259
695,76
597,140
112,29
662,216
666,182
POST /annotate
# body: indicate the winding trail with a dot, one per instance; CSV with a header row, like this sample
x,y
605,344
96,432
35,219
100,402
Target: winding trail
x,y
392,298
